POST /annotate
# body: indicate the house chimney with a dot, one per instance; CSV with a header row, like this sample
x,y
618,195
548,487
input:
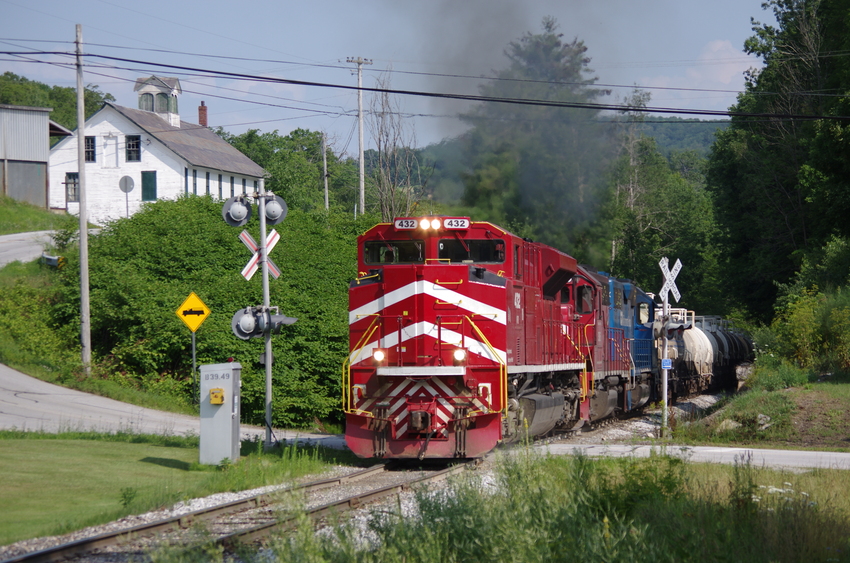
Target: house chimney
x,y
202,115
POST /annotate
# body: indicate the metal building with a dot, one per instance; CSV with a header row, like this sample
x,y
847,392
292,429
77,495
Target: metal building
x,y
24,150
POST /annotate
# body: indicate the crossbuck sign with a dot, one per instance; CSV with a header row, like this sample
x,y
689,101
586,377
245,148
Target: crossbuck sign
x,y
670,278
250,269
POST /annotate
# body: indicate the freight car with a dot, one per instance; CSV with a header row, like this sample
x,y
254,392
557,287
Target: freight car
x,y
464,336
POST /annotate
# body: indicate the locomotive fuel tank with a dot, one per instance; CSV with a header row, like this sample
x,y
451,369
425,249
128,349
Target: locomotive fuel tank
x,y
542,412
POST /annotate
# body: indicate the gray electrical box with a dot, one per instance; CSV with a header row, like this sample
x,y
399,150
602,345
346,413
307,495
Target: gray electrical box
x,y
220,395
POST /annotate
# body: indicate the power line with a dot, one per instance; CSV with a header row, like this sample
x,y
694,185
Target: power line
x,y
475,97
487,78
460,97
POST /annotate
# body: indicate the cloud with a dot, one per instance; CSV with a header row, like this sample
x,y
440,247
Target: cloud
x,y
721,63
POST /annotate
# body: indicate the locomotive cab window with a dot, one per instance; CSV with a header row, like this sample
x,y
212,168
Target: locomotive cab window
x,y
394,252
584,299
487,251
643,313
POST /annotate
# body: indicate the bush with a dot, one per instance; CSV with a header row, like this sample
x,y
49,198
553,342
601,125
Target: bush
x,y
143,267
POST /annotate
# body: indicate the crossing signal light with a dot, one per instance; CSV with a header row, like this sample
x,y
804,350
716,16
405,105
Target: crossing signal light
x,y
674,329
671,329
276,209
236,210
255,322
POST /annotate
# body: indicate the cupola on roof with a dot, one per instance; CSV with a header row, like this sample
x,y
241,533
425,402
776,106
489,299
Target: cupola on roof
x,y
158,94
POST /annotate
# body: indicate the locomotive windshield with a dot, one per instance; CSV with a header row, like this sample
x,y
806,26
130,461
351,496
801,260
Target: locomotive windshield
x,y
487,251
394,252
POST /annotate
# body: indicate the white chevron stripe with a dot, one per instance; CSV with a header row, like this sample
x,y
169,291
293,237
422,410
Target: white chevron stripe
x,y
429,288
425,328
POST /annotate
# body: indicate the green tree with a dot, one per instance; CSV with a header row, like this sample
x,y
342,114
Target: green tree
x,y
541,165
661,212
780,185
294,166
19,91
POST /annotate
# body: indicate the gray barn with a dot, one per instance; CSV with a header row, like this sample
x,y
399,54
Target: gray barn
x,y
24,150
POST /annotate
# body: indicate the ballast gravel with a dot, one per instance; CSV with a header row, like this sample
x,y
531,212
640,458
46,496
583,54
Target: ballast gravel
x,y
178,509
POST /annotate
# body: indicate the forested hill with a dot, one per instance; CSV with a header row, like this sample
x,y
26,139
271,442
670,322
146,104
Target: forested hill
x,y
677,134
672,134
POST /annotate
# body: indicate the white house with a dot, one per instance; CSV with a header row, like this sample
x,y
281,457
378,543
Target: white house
x,y
149,151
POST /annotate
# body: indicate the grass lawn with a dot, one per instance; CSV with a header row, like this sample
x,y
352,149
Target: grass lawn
x,y
49,485
20,217
52,486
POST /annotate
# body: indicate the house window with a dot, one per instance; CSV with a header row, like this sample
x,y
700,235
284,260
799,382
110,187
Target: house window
x,y
220,182
244,186
194,182
72,186
149,186
208,183
134,148
186,181
256,186
146,102
91,154
232,186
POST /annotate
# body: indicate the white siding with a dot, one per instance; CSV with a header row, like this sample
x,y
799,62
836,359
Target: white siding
x,y
105,200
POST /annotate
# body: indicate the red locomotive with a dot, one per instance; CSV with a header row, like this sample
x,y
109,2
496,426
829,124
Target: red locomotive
x,y
464,336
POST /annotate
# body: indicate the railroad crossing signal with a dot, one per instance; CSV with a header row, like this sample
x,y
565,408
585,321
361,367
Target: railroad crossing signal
x,y
670,279
193,312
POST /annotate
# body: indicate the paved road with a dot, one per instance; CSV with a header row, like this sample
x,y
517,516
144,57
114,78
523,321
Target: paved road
x,y
780,459
30,404
23,247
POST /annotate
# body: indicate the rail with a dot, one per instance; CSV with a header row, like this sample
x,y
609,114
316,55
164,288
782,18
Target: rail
x,y
87,545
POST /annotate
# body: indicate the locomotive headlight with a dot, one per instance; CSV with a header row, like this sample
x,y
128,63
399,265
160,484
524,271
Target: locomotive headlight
x,y
379,355
424,224
459,355
435,224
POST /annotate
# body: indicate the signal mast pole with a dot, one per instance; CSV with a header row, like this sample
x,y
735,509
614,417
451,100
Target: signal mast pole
x,y
359,61
669,285
264,264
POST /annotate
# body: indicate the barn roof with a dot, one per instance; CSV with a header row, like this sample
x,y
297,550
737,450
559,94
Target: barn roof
x,y
198,145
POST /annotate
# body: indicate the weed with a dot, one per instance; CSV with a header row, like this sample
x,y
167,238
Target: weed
x,y
128,495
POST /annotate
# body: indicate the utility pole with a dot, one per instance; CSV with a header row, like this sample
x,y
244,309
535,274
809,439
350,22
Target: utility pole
x,y
325,168
359,61
85,308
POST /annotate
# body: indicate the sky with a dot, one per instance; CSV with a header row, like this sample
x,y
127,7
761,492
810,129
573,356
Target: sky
x,y
687,53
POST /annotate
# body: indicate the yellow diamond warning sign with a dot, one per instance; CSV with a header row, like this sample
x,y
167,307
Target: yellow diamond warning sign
x,y
193,312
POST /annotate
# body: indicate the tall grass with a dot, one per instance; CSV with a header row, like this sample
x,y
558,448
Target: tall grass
x,y
542,509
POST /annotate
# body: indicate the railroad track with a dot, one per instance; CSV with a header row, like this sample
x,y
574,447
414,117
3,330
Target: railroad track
x,y
243,521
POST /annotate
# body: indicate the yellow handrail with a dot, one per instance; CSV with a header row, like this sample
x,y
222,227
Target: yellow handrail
x,y
503,366
346,366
